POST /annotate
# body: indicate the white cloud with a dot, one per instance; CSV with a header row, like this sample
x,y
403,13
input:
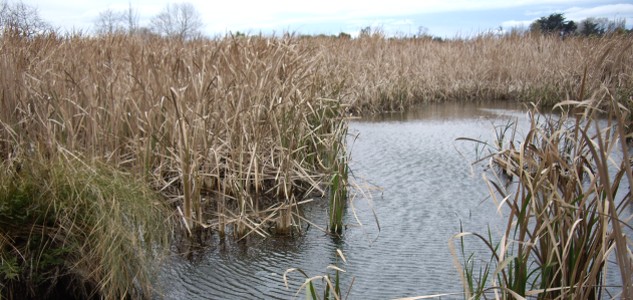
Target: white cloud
x,y
607,11
350,15
516,24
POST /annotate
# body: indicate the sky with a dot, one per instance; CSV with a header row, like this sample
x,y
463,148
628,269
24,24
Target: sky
x,y
443,18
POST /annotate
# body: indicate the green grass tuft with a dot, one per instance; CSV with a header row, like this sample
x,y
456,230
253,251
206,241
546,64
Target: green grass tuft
x,y
78,229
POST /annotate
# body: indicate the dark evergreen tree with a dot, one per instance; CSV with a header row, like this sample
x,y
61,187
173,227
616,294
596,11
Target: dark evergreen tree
x,y
554,23
589,27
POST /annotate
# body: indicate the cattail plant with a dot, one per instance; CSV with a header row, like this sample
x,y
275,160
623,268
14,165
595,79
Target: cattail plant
x,y
567,209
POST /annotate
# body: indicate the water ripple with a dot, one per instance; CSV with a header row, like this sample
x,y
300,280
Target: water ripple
x,y
427,191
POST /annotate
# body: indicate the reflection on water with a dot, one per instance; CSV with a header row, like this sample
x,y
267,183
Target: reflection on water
x,y
427,189
451,111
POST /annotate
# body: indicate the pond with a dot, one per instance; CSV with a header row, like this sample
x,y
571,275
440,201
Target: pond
x,y
422,189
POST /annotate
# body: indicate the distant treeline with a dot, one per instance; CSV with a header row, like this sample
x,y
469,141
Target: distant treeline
x,y
183,21
557,24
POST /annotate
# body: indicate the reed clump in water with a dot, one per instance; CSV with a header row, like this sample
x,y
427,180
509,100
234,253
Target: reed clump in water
x,y
567,210
235,132
232,126
226,129
232,133
331,283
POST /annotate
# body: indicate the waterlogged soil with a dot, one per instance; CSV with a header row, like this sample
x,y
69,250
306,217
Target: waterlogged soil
x,y
418,182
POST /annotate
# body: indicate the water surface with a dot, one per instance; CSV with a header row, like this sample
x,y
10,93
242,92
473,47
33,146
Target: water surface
x,y
422,188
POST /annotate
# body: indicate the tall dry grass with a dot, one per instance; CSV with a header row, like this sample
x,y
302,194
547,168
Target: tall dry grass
x,y
234,123
232,133
565,190
242,122
375,74
235,132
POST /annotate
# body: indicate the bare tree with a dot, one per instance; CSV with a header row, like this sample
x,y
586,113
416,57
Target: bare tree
x,y
21,19
110,21
423,32
131,18
180,20
3,8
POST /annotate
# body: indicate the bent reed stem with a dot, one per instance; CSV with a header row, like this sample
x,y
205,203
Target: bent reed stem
x,y
256,125
565,208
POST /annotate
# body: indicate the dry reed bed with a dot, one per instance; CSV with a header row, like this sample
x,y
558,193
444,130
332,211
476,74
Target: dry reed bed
x,y
239,130
564,187
247,120
238,121
375,74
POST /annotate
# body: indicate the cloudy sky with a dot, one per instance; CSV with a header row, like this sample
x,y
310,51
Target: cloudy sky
x,y
444,18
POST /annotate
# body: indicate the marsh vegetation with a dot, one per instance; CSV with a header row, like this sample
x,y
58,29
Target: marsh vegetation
x,y
117,143
564,190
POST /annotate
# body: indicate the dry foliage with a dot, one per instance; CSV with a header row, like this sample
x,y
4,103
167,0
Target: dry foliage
x,y
239,130
565,191
238,122
374,74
